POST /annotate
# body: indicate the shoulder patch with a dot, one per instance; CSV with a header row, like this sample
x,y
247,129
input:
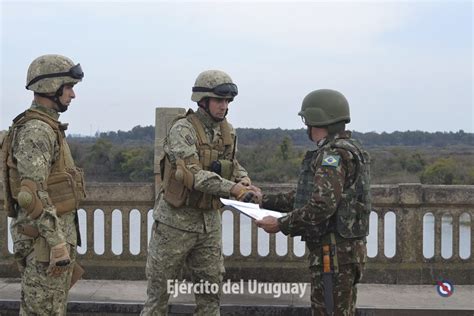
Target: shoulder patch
x,y
189,140
331,160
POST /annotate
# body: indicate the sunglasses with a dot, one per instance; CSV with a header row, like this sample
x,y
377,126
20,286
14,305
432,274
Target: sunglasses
x,y
223,90
75,72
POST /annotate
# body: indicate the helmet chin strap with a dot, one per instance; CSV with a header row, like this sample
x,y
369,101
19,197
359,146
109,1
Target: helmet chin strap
x,y
206,108
61,107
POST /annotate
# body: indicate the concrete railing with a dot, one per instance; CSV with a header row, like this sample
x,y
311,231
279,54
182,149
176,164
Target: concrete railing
x,y
127,208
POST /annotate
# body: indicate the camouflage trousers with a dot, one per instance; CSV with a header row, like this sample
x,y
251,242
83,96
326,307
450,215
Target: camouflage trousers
x,y
42,294
345,290
169,250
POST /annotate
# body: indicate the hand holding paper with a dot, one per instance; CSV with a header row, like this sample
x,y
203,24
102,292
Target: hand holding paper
x,y
250,209
269,224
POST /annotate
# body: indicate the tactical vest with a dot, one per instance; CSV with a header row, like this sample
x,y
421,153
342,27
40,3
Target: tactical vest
x,y
220,152
65,184
351,219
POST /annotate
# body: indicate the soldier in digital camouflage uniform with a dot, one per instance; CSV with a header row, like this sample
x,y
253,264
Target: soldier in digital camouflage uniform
x,y
331,205
198,167
43,188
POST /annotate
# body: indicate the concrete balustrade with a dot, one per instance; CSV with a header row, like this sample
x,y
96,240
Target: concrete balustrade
x,y
408,203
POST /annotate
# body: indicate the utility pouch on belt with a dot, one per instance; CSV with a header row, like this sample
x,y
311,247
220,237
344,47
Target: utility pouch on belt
x,y
175,192
77,273
66,190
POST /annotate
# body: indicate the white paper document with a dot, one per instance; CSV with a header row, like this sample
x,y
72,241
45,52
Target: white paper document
x,y
250,209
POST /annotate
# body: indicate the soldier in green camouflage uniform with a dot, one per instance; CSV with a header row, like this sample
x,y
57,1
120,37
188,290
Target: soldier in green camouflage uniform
x,y
38,166
198,167
331,204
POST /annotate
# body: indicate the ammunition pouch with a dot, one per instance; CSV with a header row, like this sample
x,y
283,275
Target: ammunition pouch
x,y
184,175
223,167
175,192
66,189
207,156
178,183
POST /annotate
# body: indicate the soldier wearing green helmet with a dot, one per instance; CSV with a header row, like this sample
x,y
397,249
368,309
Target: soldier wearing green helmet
x,y
199,167
331,205
43,188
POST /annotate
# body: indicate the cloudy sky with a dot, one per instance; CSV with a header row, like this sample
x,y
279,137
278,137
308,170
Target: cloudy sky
x,y
403,65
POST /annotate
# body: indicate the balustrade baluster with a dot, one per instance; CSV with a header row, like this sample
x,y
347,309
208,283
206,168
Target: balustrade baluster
x,y
236,244
4,232
90,251
143,232
381,234
108,232
125,212
455,244
254,240
291,252
437,245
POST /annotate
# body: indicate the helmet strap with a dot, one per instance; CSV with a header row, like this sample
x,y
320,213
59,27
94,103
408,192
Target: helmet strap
x,y
205,107
55,98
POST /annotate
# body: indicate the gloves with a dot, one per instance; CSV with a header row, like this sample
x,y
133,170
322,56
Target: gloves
x,y
59,260
254,195
247,193
245,181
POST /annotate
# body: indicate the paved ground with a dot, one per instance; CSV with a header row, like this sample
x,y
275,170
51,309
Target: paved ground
x,y
371,296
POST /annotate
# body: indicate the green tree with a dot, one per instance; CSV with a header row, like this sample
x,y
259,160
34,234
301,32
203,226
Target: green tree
x,y
413,163
442,171
137,163
285,148
99,152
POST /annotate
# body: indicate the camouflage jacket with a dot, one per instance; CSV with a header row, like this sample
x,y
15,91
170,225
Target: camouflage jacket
x,y
35,148
181,144
334,170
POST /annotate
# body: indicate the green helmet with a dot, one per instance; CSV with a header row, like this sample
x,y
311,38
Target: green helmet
x,y
48,73
214,84
324,107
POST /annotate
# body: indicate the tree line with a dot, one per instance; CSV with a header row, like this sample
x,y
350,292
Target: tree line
x,y
274,155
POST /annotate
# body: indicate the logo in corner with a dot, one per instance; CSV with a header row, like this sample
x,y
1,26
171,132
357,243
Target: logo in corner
x,y
444,288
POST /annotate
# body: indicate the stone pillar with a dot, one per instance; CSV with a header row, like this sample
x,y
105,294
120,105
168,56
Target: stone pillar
x,y
163,119
409,233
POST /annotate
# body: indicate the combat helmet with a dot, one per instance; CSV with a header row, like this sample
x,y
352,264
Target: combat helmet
x,y
324,107
214,84
48,73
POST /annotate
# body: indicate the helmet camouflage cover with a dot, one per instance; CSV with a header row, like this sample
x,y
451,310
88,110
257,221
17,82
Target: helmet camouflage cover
x,y
324,107
209,80
48,73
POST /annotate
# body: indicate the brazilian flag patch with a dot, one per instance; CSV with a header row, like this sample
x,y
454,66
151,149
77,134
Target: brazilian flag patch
x,y
331,160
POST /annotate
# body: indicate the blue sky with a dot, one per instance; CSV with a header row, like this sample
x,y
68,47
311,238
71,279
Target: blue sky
x,y
403,65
